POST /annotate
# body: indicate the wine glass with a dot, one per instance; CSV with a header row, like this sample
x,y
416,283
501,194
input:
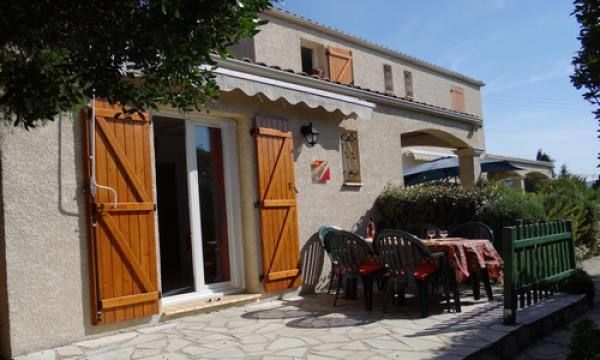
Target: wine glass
x,y
444,234
430,233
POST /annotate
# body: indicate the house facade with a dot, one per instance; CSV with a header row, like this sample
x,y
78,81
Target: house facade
x,y
107,224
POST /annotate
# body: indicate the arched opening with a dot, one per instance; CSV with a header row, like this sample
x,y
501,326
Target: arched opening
x,y
432,154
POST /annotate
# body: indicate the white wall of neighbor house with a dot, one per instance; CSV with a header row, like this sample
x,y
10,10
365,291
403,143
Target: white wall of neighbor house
x,y
278,43
44,206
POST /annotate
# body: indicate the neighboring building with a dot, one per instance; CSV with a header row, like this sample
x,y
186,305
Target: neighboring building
x,y
526,169
197,206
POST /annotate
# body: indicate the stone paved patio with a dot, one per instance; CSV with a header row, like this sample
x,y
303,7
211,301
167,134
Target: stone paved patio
x,y
307,327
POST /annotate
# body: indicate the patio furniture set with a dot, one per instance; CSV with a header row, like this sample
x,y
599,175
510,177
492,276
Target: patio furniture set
x,y
397,260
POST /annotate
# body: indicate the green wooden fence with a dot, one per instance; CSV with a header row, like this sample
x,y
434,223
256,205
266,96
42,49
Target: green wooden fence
x,y
536,258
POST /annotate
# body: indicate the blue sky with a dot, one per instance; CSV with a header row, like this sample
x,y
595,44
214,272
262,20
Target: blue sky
x,y
522,50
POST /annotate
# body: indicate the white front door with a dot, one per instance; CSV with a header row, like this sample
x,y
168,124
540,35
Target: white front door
x,y
214,209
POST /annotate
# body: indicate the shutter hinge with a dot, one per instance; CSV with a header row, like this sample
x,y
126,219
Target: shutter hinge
x,y
253,132
154,206
256,204
261,277
99,315
160,295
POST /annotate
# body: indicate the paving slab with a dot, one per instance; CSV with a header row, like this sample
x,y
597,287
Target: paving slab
x,y
309,327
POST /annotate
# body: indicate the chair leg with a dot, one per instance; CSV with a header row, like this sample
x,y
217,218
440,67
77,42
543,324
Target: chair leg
x,y
368,291
331,278
446,287
485,278
454,286
401,294
337,291
389,292
423,297
475,284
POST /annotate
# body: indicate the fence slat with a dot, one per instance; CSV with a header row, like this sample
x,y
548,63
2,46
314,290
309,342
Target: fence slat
x,y
536,257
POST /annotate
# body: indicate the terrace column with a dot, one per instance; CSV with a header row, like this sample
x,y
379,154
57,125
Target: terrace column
x,y
469,166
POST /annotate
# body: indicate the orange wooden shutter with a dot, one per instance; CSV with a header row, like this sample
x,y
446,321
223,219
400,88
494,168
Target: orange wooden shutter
x,y
122,245
458,98
340,65
277,204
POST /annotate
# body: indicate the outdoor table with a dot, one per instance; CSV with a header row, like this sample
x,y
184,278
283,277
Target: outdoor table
x,y
467,255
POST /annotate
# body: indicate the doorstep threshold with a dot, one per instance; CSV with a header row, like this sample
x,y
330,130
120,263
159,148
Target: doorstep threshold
x,y
193,307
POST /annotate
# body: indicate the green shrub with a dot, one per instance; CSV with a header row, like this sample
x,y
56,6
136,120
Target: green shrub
x,y
441,204
569,198
580,283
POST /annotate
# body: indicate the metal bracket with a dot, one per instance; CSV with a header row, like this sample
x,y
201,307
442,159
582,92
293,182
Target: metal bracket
x,y
261,277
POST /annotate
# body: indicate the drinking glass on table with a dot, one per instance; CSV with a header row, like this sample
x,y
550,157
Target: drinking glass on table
x,y
431,233
444,234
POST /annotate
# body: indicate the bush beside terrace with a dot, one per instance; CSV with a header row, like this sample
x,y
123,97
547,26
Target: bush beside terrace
x,y
446,205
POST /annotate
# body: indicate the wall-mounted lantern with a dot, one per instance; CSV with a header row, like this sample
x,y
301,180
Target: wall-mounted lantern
x,y
311,135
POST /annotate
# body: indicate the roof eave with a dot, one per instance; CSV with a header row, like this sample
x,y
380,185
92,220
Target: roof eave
x,y
344,89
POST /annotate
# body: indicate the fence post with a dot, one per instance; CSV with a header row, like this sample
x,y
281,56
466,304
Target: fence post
x,y
571,246
510,298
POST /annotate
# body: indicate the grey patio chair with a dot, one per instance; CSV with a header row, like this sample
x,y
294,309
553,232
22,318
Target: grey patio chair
x,y
409,261
323,230
350,252
476,230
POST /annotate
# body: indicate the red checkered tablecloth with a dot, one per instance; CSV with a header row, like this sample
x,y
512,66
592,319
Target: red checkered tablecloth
x,y
468,255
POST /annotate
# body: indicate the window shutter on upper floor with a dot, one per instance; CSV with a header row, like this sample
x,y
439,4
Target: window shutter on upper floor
x,y
458,98
388,78
340,65
408,85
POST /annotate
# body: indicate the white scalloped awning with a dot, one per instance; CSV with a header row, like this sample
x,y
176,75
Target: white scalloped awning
x,y
229,80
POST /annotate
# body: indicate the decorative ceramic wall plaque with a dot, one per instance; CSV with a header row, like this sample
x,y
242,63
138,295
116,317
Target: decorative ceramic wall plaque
x,y
320,172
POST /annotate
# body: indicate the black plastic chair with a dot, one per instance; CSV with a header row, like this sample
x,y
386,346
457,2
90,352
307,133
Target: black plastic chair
x,y
409,261
323,230
350,252
476,230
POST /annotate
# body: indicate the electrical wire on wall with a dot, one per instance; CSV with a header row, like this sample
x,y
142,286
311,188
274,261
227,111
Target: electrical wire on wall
x,y
94,186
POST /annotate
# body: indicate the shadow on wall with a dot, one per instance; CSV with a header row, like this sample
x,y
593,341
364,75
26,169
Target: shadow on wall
x,y
5,346
312,256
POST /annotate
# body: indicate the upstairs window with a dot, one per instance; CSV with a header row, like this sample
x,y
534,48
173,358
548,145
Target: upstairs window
x,y
307,59
340,65
458,98
388,79
408,85
313,58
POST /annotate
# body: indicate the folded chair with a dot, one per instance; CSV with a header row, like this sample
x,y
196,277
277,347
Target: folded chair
x,y
476,230
323,230
350,252
409,261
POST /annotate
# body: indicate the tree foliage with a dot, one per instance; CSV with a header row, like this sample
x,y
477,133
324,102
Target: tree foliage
x,y
587,60
55,54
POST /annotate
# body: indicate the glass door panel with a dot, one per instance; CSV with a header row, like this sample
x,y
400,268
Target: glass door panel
x,y
213,211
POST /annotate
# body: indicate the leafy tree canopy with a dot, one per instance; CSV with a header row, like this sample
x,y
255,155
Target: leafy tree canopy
x,y
542,156
54,54
587,60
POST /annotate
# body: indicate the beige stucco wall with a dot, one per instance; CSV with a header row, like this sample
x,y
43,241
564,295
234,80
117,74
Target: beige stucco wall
x,y
45,228
278,43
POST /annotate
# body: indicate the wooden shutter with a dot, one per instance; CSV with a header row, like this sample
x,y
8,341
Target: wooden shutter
x,y
408,85
458,98
388,79
340,65
351,157
122,245
277,204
